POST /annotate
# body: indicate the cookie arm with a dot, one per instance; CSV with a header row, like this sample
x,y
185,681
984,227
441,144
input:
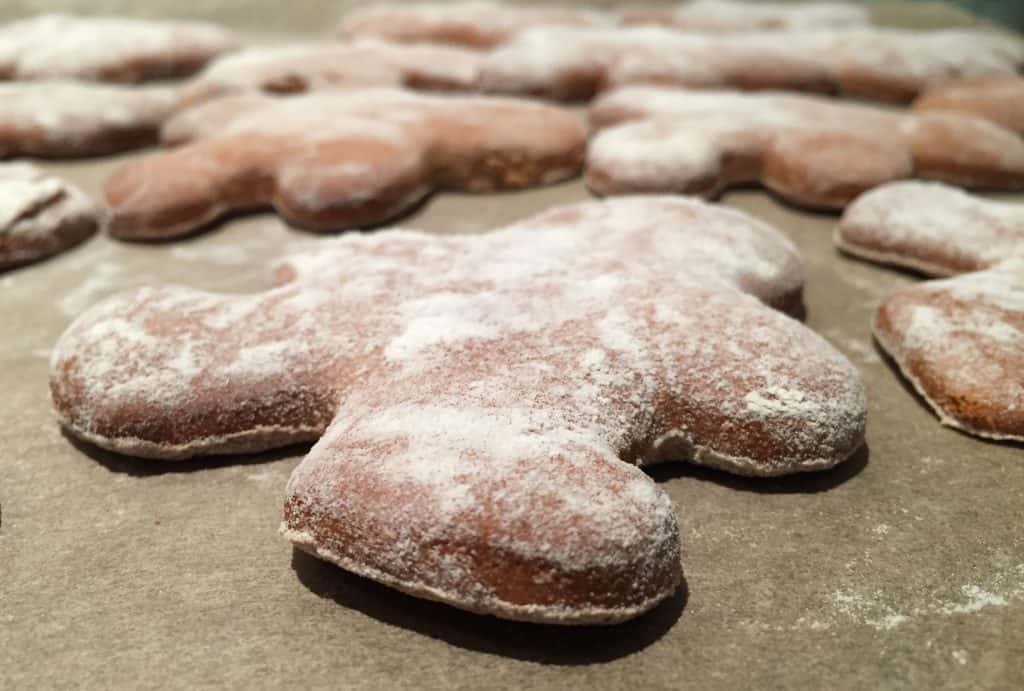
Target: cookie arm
x,y
173,373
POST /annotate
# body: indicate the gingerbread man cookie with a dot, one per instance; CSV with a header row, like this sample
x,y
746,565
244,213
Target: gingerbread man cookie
x,y
959,341
482,402
810,150
729,15
996,98
114,49
882,64
338,159
297,68
64,119
471,24
40,215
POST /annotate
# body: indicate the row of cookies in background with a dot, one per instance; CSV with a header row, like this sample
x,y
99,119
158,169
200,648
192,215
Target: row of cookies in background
x,y
342,135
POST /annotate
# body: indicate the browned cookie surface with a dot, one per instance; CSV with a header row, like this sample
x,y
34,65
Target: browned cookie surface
x,y
810,150
338,159
40,215
997,98
475,398
960,342
115,49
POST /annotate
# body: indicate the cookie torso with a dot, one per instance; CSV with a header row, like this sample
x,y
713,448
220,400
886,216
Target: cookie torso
x,y
40,215
58,46
467,387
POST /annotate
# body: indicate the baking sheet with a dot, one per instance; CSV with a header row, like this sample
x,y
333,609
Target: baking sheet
x,y
902,568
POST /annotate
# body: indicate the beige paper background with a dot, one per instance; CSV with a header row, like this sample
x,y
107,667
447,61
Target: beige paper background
x,y
903,568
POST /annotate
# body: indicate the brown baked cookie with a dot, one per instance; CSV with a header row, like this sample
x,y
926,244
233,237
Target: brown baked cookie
x,y
932,228
882,64
482,402
470,24
65,119
996,98
722,16
959,341
110,49
298,68
338,159
810,150
40,215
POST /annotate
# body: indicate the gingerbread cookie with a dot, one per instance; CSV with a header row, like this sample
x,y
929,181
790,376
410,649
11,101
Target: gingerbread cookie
x,y
463,387
40,215
338,159
298,68
959,341
722,16
63,119
114,49
883,64
471,24
996,98
810,150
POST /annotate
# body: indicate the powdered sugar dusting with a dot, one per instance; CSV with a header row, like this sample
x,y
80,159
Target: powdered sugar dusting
x,y
931,227
878,63
959,341
52,46
40,214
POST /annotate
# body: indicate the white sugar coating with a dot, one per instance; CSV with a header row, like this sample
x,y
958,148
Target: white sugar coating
x,y
811,149
882,63
40,214
23,195
730,15
74,118
477,395
312,66
960,342
52,46
931,227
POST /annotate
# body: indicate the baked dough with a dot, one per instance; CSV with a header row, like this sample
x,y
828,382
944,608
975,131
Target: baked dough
x,y
475,397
